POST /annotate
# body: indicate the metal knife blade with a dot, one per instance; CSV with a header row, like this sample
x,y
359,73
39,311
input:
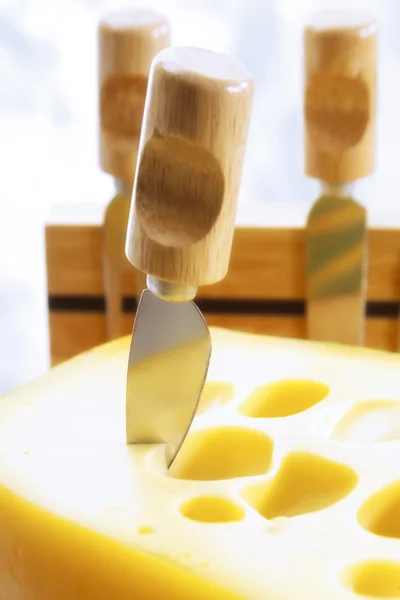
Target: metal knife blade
x,y
336,260
171,343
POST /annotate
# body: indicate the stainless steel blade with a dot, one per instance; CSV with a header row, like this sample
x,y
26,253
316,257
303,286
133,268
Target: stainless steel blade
x,y
336,263
168,363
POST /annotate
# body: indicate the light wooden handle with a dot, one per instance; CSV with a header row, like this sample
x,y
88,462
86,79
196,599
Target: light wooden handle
x,y
189,169
115,263
340,96
128,40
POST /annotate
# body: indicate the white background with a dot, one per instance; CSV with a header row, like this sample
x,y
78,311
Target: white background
x,y
48,127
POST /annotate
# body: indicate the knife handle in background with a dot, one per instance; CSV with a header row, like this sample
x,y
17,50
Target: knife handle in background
x,y
187,182
340,60
128,40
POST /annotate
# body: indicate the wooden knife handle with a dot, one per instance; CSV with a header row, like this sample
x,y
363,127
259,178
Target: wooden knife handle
x,y
340,57
188,176
128,40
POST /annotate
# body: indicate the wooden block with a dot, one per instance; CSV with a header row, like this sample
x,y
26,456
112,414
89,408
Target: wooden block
x,y
264,290
267,261
75,332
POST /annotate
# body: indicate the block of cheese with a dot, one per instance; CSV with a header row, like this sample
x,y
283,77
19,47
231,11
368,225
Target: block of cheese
x,y
287,488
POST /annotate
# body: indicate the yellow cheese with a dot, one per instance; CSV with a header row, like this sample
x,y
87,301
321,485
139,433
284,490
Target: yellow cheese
x,y
288,486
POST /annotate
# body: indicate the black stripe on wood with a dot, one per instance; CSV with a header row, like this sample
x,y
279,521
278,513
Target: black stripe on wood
x,y
294,308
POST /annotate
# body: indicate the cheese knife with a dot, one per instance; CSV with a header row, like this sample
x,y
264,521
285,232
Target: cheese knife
x,y
180,231
340,53
128,40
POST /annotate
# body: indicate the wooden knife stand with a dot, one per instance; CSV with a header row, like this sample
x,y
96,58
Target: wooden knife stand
x,y
263,292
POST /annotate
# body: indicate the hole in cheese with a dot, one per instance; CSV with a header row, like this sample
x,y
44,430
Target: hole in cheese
x,y
283,398
146,530
215,393
368,422
377,579
223,453
380,514
210,509
305,483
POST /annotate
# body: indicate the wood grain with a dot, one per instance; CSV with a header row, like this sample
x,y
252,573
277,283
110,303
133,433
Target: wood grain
x,y
188,176
128,40
115,263
76,332
340,50
340,55
266,262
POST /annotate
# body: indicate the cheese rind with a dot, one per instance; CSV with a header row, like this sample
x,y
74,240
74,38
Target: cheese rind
x,y
284,514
